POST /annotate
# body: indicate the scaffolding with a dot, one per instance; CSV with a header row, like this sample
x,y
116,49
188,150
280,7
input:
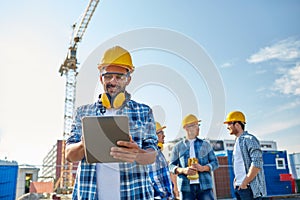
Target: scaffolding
x,y
69,69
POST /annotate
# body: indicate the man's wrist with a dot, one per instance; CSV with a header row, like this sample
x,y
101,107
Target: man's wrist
x,y
207,168
245,183
178,170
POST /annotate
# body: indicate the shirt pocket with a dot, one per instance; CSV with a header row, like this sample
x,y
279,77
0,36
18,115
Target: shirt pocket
x,y
203,157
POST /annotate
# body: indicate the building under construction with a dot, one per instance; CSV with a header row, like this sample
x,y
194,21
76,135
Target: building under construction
x,y
54,166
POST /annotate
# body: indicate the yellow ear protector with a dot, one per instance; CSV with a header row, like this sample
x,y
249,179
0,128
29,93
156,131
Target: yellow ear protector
x,y
160,145
116,102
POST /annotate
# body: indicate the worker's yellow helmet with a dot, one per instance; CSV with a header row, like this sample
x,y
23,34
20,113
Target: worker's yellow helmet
x,y
117,56
159,127
235,116
189,119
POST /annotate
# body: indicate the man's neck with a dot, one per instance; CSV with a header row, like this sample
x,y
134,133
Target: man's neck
x,y
239,133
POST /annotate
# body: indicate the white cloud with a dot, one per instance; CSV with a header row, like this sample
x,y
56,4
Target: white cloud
x,y
287,50
276,127
229,63
261,89
288,106
282,108
283,50
225,65
289,82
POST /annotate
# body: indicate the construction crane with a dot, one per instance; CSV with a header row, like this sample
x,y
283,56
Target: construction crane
x,y
69,69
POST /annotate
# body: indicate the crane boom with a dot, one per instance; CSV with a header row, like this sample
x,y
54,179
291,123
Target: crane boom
x,y
69,69
85,21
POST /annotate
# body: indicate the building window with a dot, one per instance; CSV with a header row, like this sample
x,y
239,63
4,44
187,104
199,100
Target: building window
x,y
280,163
28,180
266,146
217,145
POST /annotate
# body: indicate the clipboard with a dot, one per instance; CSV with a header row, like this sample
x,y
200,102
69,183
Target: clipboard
x,y
100,133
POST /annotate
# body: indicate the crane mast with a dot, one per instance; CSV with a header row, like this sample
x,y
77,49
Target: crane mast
x,y
69,69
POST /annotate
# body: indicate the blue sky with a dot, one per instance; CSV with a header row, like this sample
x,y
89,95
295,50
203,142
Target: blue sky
x,y
253,45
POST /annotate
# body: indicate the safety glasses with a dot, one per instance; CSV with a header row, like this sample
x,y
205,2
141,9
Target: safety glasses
x,y
120,78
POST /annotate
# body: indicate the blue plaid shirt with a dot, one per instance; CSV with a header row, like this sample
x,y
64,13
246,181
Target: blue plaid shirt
x,y
205,155
252,155
134,178
160,177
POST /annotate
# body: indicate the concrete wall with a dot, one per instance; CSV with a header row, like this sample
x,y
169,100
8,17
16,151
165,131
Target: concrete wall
x,y
23,170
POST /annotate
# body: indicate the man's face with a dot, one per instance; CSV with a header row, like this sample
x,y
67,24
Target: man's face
x,y
192,130
114,80
231,126
161,137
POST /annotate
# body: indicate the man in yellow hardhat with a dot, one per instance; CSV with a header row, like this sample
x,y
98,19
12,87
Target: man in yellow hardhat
x,y
249,181
193,160
159,170
124,180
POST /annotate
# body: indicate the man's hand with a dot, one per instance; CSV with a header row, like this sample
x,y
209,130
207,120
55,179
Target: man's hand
x,y
243,187
253,171
191,170
201,168
126,151
130,152
187,170
75,152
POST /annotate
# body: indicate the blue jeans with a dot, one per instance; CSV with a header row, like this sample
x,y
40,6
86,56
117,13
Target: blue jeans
x,y
245,194
197,194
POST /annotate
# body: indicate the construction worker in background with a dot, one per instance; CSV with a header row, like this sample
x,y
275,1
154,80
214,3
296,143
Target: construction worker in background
x,y
124,180
159,170
193,160
249,181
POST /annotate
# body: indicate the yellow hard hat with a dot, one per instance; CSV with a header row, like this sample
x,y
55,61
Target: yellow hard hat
x,y
159,127
189,119
117,56
235,116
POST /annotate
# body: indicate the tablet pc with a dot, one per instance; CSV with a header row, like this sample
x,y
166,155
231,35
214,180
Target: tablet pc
x,y
100,133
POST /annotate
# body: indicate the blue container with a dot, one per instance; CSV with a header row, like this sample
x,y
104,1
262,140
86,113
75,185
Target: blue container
x,y
8,181
231,173
276,163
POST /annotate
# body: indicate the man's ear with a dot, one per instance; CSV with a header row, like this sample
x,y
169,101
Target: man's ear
x,y
128,80
101,80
